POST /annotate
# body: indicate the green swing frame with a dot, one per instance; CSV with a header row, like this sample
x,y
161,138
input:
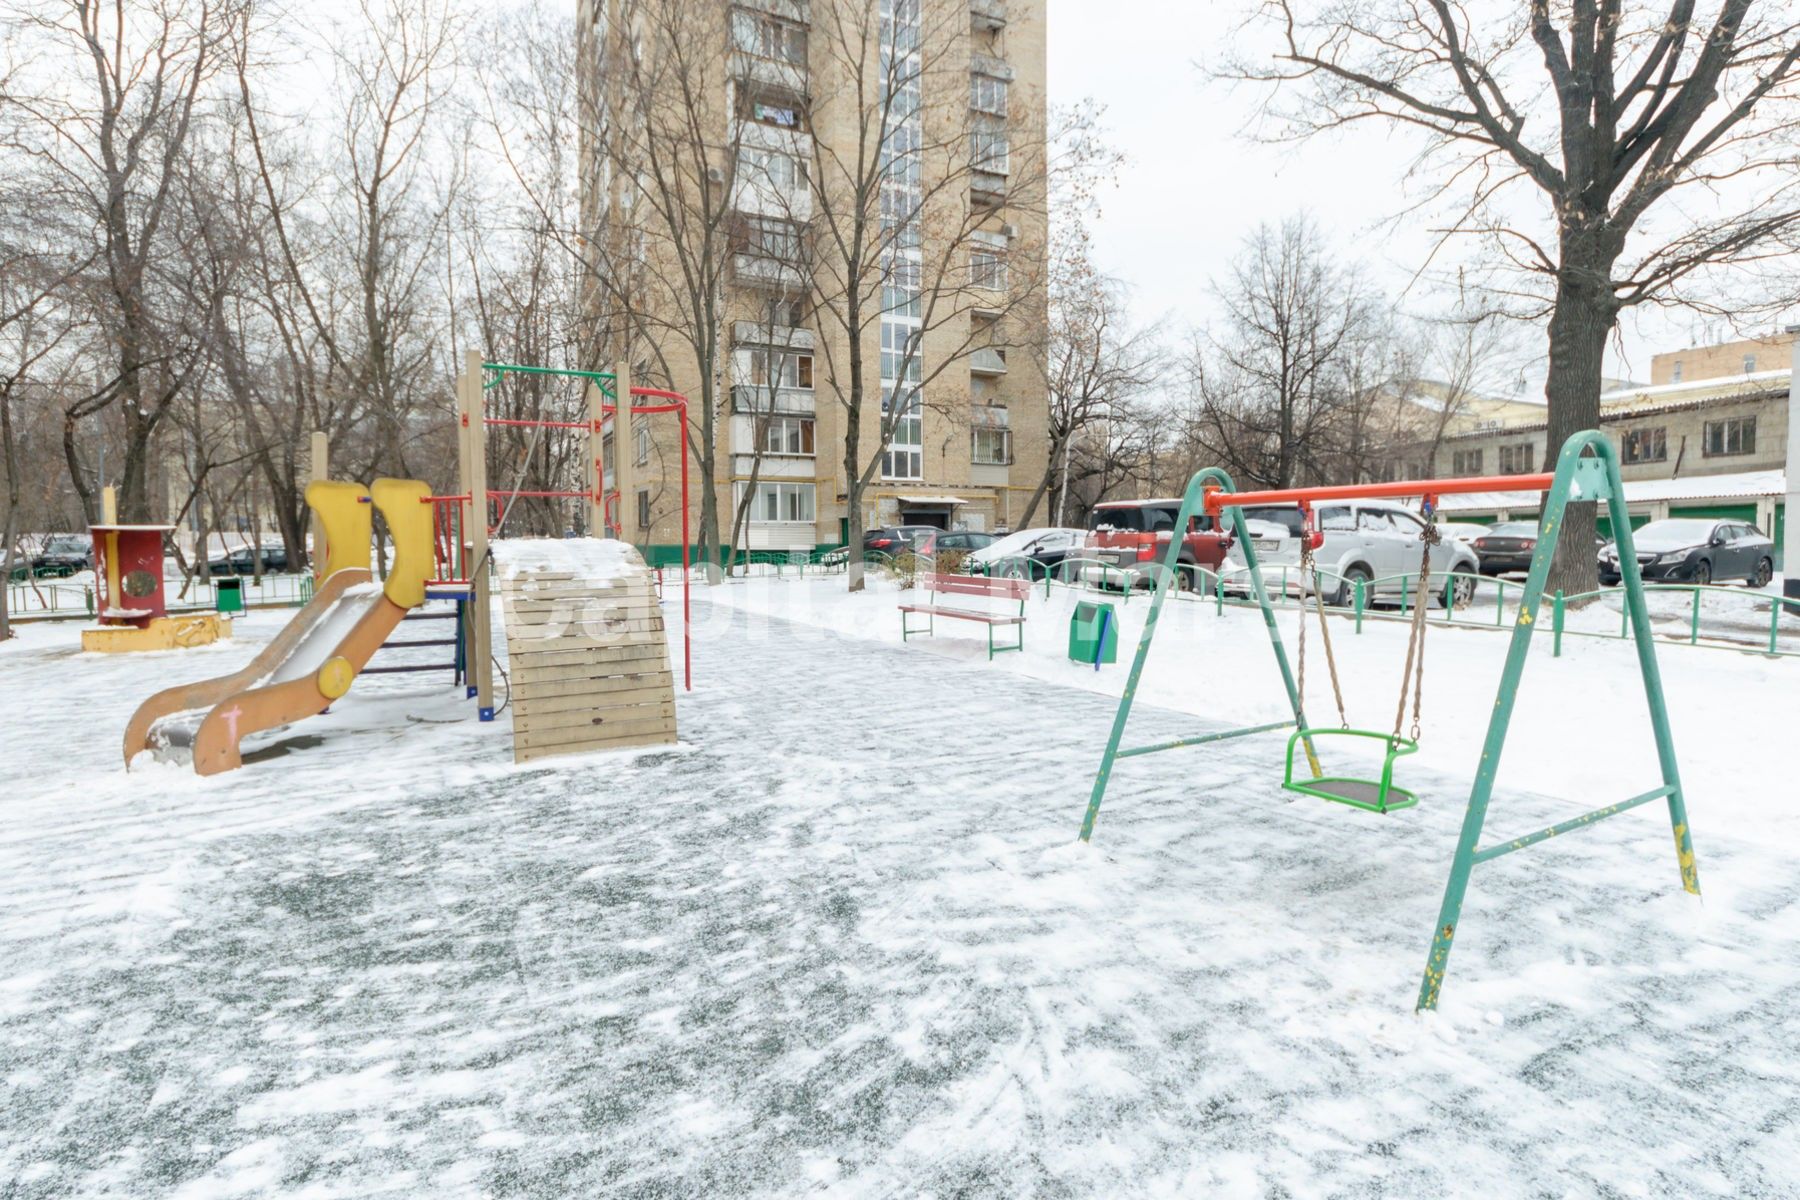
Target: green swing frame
x,y
1587,469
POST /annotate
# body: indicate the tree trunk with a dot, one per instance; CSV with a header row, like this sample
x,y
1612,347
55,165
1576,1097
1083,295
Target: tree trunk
x,y
853,525
1037,495
1579,326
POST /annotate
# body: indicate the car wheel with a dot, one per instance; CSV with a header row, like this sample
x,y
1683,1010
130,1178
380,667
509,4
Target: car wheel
x,y
1459,591
1765,571
1185,579
1346,590
1702,573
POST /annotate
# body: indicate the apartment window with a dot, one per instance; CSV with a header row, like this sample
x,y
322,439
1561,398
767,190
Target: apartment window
x,y
987,95
768,36
898,354
790,502
765,237
990,438
1749,364
989,146
1644,446
787,435
641,432
781,368
987,269
1733,435
1516,460
643,507
1465,462
1675,372
784,313
905,455
784,171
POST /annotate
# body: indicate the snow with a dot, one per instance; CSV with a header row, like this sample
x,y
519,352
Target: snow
x,y
596,560
842,941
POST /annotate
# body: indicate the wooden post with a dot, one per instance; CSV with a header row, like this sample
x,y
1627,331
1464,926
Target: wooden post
x,y
321,470
472,411
595,479
624,455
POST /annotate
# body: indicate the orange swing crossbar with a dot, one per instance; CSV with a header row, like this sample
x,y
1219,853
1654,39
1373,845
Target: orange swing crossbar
x,y
1217,500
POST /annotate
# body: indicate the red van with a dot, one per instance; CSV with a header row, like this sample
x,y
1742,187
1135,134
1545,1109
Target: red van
x,y
1132,536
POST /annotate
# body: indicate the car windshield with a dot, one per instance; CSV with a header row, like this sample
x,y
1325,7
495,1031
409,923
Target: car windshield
x,y
1287,517
66,545
1512,529
1683,531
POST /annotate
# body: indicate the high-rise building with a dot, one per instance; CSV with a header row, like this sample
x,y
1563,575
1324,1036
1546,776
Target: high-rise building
x,y
840,206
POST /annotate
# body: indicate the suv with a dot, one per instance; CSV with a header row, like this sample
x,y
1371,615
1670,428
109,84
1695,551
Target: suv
x,y
1376,542
1133,536
63,554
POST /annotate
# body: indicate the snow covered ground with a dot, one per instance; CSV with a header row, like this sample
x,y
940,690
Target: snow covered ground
x,y
841,941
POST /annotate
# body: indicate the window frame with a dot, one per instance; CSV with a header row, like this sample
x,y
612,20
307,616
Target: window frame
x,y
1741,430
1467,463
1631,441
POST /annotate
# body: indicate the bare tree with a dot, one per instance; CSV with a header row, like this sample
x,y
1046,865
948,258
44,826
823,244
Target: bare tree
x,y
1608,112
1270,390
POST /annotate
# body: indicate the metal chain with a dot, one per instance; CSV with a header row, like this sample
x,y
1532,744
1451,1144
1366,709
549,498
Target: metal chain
x,y
1307,572
1414,671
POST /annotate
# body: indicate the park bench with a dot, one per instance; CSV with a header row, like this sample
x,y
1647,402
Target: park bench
x,y
937,585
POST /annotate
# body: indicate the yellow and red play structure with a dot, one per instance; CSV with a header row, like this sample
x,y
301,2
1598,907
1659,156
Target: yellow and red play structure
x,y
133,611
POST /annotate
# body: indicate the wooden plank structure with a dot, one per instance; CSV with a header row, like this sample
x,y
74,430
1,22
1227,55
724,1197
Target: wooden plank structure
x,y
588,660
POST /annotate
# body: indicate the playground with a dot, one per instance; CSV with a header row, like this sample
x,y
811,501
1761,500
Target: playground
x,y
841,939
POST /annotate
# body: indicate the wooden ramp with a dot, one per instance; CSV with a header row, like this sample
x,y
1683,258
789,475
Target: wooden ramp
x,y
588,659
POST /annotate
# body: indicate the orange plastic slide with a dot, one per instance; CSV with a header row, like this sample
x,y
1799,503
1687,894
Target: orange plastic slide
x,y
314,660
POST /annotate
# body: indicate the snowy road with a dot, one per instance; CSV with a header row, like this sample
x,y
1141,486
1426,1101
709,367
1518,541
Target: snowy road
x,y
841,943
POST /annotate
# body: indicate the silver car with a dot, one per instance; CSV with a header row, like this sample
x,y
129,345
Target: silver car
x,y
1377,542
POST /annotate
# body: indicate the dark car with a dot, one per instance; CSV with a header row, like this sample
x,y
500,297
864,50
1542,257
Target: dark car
x,y
895,539
1133,535
959,541
1696,550
62,556
1507,546
243,562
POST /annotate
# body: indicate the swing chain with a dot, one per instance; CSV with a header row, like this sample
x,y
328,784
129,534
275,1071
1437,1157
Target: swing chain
x,y
1415,643
1309,573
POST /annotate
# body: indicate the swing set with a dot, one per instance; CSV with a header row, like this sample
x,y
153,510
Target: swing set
x,y
1587,469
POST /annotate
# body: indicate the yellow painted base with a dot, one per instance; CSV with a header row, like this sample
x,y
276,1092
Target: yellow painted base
x,y
164,633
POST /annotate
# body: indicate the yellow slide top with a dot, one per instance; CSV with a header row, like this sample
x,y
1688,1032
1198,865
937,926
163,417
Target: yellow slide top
x,y
408,516
345,521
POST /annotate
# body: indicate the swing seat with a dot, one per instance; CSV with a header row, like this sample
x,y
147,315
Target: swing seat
x,y
1371,795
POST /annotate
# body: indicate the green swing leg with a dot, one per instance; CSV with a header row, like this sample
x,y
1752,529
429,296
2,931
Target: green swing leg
x,y
1589,478
1192,501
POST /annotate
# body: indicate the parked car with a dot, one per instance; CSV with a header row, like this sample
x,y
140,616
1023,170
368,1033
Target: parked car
x,y
961,541
1377,542
243,562
1463,531
1505,547
1033,552
1696,550
63,554
894,539
1133,536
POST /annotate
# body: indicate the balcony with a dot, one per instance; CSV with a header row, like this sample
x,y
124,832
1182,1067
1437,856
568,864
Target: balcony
x,y
753,270
754,398
987,189
988,360
768,72
987,16
755,333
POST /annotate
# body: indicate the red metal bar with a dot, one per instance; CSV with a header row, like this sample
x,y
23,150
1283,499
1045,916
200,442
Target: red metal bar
x,y
536,424
1217,500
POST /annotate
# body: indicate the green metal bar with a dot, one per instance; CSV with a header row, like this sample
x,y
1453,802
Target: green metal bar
x,y
1191,503
1203,739
1556,624
1588,818
1694,621
1570,472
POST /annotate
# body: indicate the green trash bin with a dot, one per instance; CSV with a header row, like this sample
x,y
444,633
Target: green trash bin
x,y
228,595
1094,633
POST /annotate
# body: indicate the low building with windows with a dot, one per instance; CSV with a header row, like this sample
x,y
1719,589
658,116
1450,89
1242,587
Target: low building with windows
x,y
1706,438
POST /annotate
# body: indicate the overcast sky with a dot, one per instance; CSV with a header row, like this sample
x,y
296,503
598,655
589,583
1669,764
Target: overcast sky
x,y
1195,183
